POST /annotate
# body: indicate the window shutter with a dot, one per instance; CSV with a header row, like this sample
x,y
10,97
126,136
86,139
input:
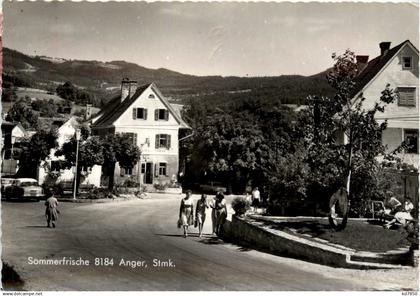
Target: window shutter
x,y
134,138
156,114
166,170
168,141
157,141
166,115
156,170
411,98
134,113
145,114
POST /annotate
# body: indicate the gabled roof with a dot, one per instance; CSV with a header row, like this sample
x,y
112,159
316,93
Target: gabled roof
x,y
375,66
115,108
7,127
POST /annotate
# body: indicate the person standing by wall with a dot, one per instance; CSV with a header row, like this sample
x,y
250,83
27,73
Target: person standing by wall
x,y
221,212
256,198
213,213
200,213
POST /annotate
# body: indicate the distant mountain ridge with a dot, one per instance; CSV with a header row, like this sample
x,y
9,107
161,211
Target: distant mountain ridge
x,y
103,79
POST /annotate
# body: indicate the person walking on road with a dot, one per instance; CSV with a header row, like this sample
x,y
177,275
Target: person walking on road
x,y
221,211
200,213
186,212
213,213
51,211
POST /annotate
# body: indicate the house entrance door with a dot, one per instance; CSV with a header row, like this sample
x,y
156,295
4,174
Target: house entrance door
x,y
148,174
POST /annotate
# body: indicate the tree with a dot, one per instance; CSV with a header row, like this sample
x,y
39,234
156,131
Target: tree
x,y
34,150
90,154
8,92
21,111
69,92
332,162
121,149
237,143
46,108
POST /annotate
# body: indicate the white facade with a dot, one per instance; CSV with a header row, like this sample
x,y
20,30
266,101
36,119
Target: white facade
x,y
65,133
154,125
403,119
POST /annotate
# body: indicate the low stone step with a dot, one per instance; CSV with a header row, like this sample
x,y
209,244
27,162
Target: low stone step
x,y
383,258
372,265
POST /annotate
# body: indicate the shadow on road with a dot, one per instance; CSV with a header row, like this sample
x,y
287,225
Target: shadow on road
x,y
212,241
3,200
172,235
36,226
10,279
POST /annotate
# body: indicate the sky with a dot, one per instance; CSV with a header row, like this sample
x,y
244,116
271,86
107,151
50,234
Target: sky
x,y
240,39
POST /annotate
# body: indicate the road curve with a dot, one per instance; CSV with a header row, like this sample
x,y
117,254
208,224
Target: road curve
x,y
145,230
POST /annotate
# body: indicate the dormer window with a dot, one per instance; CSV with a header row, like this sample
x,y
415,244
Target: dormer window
x,y
407,63
151,96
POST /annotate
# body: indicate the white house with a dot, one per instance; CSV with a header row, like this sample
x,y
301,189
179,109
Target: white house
x,y
54,164
398,67
144,114
11,134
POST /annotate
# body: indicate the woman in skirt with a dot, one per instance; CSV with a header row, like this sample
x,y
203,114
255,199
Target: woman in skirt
x,y
186,212
200,213
221,212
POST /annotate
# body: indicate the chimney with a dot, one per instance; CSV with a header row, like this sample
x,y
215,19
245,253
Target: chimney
x,y
362,61
88,112
128,88
385,46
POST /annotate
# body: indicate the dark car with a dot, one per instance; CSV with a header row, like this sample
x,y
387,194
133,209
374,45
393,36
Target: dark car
x,y
6,182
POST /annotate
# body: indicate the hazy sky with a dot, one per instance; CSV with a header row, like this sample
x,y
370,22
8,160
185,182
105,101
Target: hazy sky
x,y
255,39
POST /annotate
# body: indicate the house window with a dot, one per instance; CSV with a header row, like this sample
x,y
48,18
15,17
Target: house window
x,y
127,171
407,63
151,96
407,96
411,138
143,168
86,169
162,169
163,141
131,136
161,114
55,166
140,113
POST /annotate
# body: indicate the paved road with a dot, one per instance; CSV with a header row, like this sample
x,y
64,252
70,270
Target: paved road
x,y
145,230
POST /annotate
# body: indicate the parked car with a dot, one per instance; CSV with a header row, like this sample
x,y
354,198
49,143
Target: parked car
x,y
24,188
5,182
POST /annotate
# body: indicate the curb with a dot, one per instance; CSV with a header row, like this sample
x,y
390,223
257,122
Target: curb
x,y
281,243
102,200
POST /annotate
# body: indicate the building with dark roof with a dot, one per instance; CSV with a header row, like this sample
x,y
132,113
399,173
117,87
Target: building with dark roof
x,y
397,67
11,134
143,114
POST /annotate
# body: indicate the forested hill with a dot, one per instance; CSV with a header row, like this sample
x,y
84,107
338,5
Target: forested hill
x,y
102,80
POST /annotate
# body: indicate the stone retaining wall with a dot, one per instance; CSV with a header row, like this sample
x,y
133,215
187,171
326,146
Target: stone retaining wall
x,y
251,233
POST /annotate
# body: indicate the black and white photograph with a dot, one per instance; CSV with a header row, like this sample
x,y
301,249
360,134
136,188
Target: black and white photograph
x,y
209,146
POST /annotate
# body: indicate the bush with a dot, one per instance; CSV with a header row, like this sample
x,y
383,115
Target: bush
x,y
130,183
160,186
240,205
98,193
173,185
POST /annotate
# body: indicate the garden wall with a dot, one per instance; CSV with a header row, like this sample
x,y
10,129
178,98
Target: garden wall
x,y
245,232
